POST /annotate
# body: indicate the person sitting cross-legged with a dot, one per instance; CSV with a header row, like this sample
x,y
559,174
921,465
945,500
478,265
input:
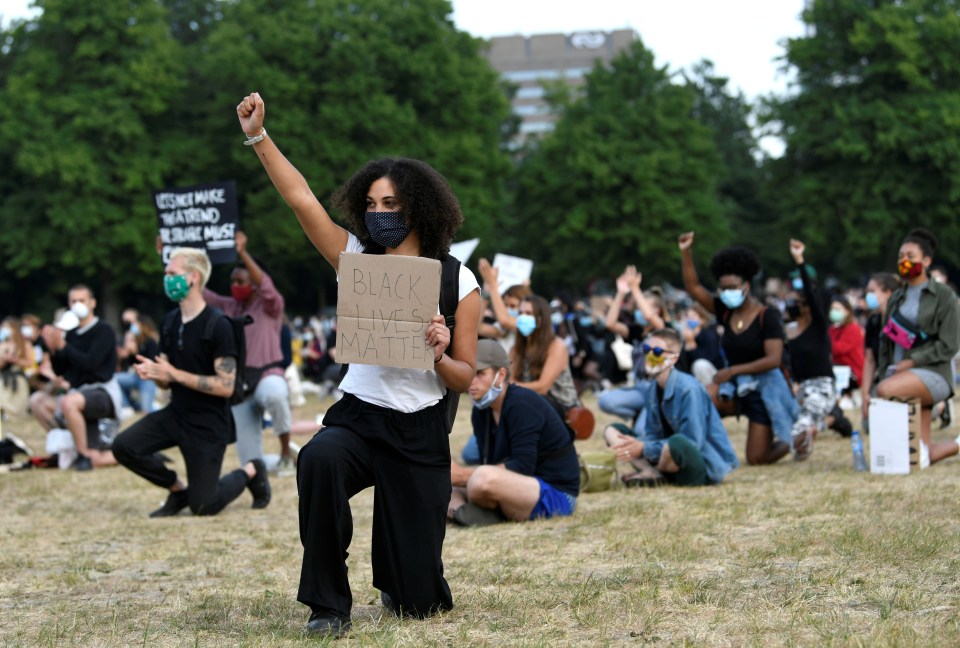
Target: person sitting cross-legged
x,y
684,442
529,465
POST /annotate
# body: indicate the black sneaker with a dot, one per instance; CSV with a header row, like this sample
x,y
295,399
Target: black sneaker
x,y
259,486
472,515
328,623
19,444
176,502
842,426
82,463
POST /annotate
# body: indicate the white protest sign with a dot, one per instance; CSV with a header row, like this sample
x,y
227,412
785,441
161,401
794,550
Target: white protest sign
x,y
464,249
896,446
384,305
512,271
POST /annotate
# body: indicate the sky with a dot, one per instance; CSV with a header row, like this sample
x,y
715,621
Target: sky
x,y
743,38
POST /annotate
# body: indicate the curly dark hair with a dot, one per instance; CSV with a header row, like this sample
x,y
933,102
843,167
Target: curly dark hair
x,y
924,238
737,260
425,197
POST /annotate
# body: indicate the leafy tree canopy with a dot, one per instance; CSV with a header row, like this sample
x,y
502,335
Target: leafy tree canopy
x,y
872,132
628,168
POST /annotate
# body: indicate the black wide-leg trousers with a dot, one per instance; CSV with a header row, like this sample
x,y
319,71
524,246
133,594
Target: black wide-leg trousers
x,y
406,458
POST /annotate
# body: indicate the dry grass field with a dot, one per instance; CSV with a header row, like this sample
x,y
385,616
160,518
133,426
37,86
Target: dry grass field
x,y
791,554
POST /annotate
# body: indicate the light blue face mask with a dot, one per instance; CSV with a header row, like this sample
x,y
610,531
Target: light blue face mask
x,y
556,319
797,283
732,298
639,318
872,302
513,312
488,399
586,322
526,324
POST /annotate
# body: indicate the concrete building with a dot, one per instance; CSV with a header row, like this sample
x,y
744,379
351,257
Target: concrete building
x,y
528,61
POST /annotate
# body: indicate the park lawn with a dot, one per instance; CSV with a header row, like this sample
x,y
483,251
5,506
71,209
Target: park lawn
x,y
791,554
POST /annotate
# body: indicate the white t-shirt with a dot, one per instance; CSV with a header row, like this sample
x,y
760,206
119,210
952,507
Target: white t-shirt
x,y
405,390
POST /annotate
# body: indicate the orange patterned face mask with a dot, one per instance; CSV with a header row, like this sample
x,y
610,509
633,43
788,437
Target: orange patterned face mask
x,y
909,269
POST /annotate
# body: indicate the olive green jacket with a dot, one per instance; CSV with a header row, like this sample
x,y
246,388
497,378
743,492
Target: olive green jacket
x,y
939,318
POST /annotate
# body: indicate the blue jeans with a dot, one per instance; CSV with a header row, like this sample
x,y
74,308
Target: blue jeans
x,y
271,395
146,390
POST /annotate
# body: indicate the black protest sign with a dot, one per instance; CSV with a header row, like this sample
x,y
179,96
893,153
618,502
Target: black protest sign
x,y
202,216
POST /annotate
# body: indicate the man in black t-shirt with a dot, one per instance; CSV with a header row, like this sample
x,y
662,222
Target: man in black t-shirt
x,y
198,361
530,468
83,356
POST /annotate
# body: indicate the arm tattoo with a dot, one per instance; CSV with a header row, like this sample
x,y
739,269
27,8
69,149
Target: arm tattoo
x,y
226,368
226,365
203,384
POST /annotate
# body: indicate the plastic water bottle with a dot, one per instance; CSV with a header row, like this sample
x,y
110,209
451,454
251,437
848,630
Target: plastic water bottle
x,y
859,460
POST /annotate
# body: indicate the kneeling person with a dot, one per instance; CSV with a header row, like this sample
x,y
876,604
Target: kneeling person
x,y
684,442
200,370
529,465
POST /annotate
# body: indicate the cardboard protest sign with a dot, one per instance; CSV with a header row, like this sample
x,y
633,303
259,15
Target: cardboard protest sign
x,y
896,447
201,216
464,249
513,271
384,305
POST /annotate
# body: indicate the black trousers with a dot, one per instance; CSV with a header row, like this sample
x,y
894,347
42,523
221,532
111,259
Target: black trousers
x,y
208,493
406,458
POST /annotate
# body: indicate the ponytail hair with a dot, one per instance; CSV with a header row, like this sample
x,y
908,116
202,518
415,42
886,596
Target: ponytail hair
x,y
924,239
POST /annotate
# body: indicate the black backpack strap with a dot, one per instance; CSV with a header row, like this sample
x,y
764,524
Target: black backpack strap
x,y
215,315
166,329
449,289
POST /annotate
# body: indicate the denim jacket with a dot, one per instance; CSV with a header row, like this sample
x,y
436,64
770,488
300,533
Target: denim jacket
x,y
781,406
690,412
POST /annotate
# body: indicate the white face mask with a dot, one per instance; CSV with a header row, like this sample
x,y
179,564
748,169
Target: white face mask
x,y
26,331
80,310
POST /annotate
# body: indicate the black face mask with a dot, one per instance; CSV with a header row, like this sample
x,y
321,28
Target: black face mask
x,y
388,229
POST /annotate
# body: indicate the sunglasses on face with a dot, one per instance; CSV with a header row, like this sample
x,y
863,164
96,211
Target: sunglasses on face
x,y
657,351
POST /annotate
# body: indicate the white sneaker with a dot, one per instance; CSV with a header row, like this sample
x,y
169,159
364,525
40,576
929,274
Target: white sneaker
x,y
846,404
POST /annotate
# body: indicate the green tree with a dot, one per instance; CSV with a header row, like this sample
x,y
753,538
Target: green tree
x,y
115,101
872,132
84,89
742,180
345,82
626,170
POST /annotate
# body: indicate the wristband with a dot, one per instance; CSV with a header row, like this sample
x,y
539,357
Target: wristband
x,y
257,138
